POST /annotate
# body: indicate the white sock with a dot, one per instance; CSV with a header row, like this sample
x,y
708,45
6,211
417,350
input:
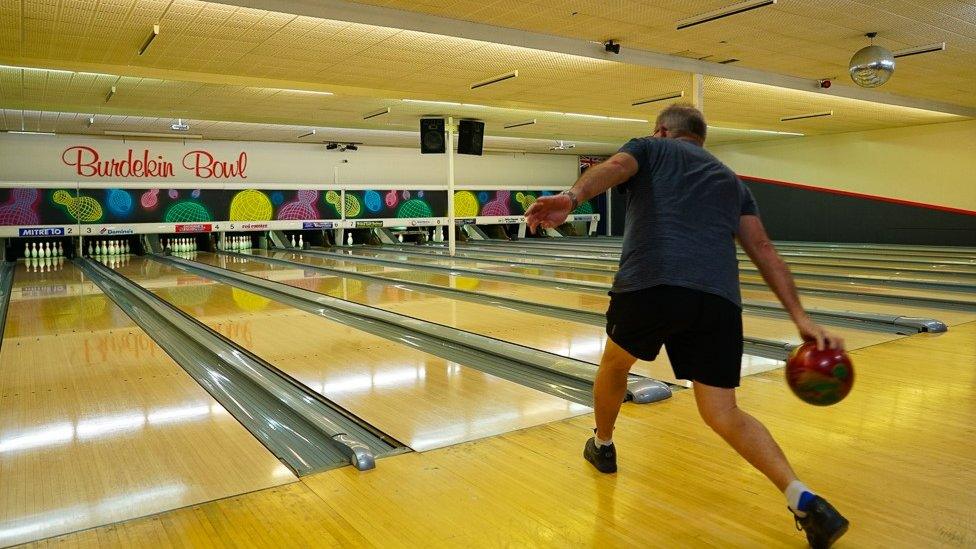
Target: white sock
x,y
600,442
797,496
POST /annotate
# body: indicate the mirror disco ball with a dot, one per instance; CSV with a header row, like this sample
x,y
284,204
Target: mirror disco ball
x,y
872,66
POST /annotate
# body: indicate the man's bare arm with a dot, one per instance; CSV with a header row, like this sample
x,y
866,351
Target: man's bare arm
x,y
605,175
756,243
551,211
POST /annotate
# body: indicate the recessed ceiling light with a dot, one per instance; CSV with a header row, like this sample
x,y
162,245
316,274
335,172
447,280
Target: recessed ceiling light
x,y
656,98
928,48
374,114
722,13
805,116
495,80
149,40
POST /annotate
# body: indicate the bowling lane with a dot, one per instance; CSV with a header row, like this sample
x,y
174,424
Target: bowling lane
x,y
570,339
882,268
421,400
799,270
754,325
472,263
745,276
99,425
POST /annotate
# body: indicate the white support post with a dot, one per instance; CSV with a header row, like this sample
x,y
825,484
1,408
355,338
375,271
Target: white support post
x,y
451,243
698,91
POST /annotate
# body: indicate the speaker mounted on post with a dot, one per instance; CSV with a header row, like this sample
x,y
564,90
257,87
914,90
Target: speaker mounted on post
x,y
471,137
432,136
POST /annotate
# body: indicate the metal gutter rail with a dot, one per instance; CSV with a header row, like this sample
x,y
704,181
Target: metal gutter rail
x,y
553,374
291,422
6,287
777,350
870,321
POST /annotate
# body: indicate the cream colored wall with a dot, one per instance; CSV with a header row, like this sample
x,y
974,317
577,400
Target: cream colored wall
x,y
933,164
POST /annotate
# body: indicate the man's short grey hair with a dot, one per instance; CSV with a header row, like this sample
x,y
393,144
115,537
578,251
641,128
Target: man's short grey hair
x,y
683,119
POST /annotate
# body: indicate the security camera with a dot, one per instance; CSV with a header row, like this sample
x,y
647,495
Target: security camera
x,y
611,46
825,83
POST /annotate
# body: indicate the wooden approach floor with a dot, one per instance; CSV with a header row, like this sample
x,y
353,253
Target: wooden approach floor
x,y
897,457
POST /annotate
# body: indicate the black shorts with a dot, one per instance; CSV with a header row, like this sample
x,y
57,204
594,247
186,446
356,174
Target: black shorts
x,y
701,332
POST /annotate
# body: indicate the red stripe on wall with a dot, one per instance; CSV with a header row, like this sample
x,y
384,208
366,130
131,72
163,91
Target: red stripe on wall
x,y
859,195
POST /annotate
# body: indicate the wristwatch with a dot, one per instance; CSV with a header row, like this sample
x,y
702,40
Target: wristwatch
x,y
572,196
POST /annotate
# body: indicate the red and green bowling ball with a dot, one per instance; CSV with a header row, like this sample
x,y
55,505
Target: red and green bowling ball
x,y
819,377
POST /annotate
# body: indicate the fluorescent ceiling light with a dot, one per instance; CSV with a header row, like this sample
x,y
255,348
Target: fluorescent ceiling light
x,y
656,98
495,80
153,134
374,114
722,13
598,117
54,70
520,124
754,131
928,48
25,132
313,92
149,40
805,116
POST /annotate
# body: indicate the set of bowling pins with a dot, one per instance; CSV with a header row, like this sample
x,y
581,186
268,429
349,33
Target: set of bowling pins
x,y
114,261
108,247
438,234
180,244
237,243
44,264
38,250
300,243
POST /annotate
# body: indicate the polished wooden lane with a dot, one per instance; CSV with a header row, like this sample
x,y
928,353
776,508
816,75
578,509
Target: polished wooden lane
x,y
421,400
565,270
910,268
566,338
755,325
98,424
896,457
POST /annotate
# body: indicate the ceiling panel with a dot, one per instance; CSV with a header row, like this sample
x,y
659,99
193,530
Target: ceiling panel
x,y
219,62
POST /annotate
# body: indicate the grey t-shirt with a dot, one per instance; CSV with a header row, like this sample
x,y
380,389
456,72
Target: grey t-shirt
x,y
683,209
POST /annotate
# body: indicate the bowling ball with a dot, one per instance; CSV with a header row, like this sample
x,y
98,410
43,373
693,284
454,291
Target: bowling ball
x,y
818,377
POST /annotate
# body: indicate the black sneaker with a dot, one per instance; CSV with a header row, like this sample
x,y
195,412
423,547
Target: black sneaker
x,y
603,458
823,524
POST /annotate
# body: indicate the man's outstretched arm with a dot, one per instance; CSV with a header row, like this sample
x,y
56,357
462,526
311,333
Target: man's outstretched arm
x,y
551,211
756,243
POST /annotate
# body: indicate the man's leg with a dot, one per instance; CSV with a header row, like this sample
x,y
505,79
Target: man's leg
x,y
610,387
743,432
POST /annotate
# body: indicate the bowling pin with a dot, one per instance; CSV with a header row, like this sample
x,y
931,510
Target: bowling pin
x,y
300,243
293,241
349,240
28,252
44,251
60,250
91,249
400,238
126,246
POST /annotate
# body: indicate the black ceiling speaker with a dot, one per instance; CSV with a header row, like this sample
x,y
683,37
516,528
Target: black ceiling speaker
x,y
432,136
471,137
